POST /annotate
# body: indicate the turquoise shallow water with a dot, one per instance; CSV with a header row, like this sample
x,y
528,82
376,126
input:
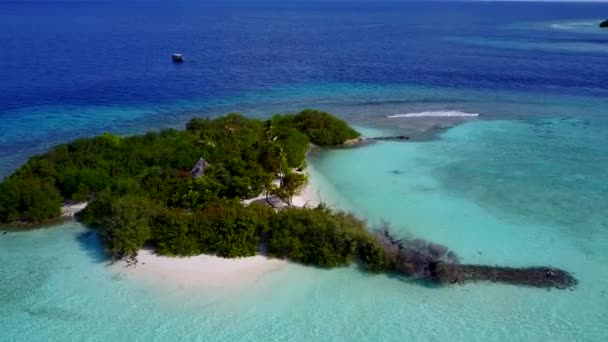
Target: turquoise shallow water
x,y
524,183
487,189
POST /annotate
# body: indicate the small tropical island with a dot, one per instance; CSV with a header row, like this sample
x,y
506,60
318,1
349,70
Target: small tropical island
x,y
224,187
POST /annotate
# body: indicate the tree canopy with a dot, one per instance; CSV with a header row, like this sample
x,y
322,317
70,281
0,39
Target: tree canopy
x,y
245,156
140,190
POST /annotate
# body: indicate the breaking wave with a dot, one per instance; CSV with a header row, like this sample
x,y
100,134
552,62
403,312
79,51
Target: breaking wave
x,y
448,113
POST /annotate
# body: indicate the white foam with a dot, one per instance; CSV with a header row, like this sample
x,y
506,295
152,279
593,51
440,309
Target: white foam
x,y
575,25
447,113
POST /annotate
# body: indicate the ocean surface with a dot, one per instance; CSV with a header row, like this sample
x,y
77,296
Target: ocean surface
x,y
506,104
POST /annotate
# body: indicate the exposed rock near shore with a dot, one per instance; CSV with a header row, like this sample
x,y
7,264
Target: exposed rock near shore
x,y
543,277
365,140
355,142
70,209
392,138
430,261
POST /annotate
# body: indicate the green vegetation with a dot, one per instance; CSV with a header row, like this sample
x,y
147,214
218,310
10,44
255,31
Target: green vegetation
x,y
245,156
322,128
29,199
228,230
141,191
325,238
154,190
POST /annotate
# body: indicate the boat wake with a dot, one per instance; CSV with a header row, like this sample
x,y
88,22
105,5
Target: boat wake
x,y
448,113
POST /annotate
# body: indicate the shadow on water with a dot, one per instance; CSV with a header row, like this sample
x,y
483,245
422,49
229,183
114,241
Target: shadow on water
x,y
90,242
418,282
395,276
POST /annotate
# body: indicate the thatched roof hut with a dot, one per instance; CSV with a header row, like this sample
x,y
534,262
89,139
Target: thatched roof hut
x,y
199,169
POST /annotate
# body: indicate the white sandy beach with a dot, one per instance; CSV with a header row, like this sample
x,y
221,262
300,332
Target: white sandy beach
x,y
308,197
69,210
202,271
208,271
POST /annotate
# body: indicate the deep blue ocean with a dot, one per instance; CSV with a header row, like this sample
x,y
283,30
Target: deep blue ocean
x,y
506,102
74,57
117,52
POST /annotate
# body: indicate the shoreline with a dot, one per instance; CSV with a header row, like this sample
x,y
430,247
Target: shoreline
x,y
71,209
200,271
210,271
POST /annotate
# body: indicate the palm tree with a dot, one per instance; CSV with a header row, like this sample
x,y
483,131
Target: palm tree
x,y
204,142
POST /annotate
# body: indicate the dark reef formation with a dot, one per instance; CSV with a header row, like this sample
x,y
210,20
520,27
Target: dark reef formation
x,y
544,277
425,260
392,138
361,141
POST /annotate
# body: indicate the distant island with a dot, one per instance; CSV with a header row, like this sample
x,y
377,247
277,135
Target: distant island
x,y
184,193
604,23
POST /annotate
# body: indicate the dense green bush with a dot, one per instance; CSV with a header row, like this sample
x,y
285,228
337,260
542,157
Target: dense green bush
x,y
295,145
226,229
28,199
325,238
141,192
127,229
323,129
99,211
245,155
314,236
373,255
229,230
172,234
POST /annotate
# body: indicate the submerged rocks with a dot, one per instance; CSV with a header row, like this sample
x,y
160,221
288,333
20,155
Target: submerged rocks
x,y
361,140
433,262
393,138
604,23
543,277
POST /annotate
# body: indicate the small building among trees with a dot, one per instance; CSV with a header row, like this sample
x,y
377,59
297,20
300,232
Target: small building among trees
x,y
199,169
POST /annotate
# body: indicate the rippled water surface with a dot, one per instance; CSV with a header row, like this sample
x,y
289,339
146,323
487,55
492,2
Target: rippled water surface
x,y
506,104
